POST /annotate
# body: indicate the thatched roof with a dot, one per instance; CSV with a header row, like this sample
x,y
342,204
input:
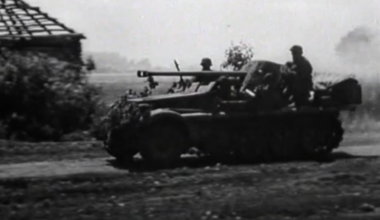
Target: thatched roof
x,y
19,20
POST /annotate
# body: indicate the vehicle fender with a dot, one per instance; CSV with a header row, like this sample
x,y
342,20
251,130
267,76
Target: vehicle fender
x,y
168,116
163,114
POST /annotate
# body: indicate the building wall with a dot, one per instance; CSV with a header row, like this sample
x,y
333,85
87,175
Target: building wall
x,y
63,48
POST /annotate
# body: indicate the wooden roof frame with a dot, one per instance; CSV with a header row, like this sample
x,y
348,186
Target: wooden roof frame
x,y
20,21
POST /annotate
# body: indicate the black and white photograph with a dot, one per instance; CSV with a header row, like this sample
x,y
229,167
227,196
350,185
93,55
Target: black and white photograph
x,y
189,109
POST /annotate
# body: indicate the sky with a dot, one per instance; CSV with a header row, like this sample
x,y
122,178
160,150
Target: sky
x,y
187,30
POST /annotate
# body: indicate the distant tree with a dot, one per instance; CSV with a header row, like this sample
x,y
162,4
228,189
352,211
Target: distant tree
x,y
143,64
107,62
237,56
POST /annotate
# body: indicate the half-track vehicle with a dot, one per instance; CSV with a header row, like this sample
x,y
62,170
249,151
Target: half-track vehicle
x,y
221,122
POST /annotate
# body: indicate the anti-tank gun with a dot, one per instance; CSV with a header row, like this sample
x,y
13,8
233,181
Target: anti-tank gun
x,y
224,85
145,73
203,79
162,127
201,74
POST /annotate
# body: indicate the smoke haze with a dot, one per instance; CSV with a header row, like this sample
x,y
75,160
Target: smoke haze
x,y
359,51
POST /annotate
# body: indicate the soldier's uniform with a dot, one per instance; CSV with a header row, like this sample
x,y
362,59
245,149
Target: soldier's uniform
x,y
303,82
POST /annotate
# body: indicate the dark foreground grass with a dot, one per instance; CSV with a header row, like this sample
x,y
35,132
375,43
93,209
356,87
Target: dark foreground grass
x,y
346,189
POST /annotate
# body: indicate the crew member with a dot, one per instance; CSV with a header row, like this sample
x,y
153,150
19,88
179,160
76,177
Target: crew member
x,y
304,81
206,64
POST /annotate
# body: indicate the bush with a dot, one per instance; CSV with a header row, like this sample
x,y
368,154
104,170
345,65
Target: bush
x,y
237,56
43,98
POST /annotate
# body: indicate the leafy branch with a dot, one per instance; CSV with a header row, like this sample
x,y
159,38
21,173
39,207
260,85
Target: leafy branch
x,y
237,56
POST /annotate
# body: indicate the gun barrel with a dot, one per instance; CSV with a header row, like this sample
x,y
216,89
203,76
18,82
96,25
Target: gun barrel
x,y
143,73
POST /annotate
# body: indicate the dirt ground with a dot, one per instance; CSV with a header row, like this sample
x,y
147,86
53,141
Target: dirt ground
x,y
79,181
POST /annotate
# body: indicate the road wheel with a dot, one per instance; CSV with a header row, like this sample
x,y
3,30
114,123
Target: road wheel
x,y
314,146
282,144
335,135
251,147
126,157
162,143
121,147
329,140
309,143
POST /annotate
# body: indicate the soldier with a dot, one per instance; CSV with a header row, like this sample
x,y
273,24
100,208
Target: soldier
x,y
303,83
206,64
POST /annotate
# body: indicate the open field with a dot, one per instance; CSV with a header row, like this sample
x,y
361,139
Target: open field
x,y
114,85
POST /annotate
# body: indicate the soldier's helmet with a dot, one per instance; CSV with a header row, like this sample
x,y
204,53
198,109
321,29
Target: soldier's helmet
x,y
206,62
296,49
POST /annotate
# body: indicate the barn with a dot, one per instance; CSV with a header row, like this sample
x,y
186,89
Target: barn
x,y
24,27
